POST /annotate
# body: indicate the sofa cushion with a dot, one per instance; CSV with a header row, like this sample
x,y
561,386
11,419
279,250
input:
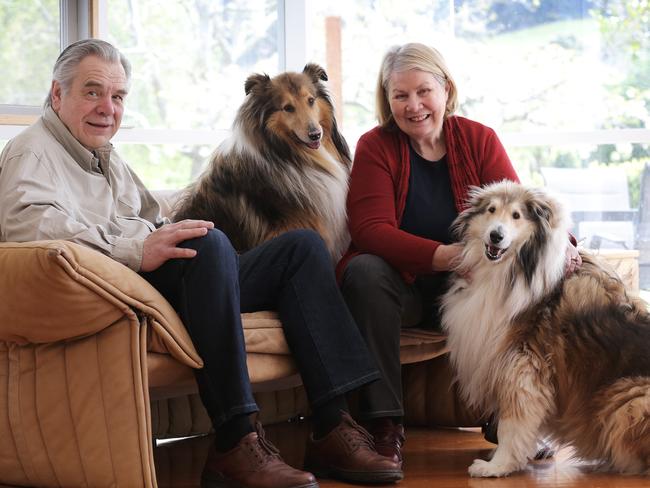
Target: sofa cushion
x,y
58,291
270,365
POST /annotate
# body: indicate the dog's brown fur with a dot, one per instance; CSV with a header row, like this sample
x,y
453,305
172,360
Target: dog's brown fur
x,y
285,167
564,357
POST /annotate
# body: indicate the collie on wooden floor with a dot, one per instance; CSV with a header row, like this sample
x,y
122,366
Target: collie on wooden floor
x,y
566,357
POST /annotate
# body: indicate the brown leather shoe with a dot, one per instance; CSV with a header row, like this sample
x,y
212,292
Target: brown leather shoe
x,y
253,463
347,453
389,438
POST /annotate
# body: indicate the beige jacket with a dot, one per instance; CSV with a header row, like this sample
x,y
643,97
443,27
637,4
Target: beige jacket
x,y
51,187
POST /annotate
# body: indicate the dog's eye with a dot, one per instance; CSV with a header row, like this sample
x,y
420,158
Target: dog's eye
x,y
492,209
515,215
311,101
289,108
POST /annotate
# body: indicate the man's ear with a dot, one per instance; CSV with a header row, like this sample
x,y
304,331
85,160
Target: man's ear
x,y
55,95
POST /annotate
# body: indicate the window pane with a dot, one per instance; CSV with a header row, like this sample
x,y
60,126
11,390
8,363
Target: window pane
x,y
165,166
31,28
191,59
520,66
368,29
605,199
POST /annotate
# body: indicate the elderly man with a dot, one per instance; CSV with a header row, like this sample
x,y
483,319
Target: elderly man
x,y
61,179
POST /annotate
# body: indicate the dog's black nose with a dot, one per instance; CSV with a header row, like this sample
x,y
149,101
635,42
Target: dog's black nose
x,y
315,136
496,236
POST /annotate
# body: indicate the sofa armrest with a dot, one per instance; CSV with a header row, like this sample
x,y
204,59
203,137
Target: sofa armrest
x,y
57,291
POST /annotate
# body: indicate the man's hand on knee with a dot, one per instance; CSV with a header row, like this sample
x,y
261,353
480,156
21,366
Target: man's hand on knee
x,y
162,244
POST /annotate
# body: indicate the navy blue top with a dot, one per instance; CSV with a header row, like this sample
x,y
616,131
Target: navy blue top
x,y
430,208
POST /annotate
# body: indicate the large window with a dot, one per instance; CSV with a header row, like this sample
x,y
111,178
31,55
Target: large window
x,y
30,40
564,84
561,82
190,62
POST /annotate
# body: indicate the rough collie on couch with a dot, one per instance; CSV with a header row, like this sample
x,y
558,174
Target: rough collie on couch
x,y
285,166
553,356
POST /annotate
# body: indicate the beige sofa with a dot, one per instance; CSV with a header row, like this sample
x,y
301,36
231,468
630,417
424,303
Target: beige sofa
x,y
94,364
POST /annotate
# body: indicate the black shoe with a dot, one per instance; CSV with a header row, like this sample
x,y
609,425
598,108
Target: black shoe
x,y
489,430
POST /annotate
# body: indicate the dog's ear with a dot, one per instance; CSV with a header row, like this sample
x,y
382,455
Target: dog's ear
x,y
460,225
256,82
475,197
315,72
474,206
541,211
540,207
477,202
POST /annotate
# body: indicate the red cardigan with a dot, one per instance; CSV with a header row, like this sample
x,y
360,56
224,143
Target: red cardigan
x,y
379,185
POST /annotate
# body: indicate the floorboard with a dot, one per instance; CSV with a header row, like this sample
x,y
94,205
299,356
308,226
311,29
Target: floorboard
x,y
433,458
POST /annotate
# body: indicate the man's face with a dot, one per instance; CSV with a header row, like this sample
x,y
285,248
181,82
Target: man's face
x,y
92,108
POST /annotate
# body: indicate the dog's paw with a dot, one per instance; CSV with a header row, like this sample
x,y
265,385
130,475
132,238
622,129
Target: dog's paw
x,y
488,469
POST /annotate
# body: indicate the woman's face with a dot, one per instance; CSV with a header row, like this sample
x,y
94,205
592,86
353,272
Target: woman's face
x,y
417,101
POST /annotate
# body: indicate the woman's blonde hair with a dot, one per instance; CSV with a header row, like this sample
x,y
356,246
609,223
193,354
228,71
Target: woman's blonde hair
x,y
407,57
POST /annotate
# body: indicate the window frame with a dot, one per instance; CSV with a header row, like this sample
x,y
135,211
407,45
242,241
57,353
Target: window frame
x,y
88,18
79,20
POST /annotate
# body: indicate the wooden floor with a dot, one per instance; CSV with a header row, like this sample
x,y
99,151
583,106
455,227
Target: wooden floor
x,y
433,458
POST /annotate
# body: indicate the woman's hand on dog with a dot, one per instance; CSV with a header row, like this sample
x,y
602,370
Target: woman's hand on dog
x,y
573,261
162,244
447,257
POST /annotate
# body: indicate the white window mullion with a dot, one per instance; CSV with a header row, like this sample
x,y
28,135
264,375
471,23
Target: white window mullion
x,y
292,34
75,21
102,18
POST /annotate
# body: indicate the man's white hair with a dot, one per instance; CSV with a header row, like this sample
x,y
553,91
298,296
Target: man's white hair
x,y
65,67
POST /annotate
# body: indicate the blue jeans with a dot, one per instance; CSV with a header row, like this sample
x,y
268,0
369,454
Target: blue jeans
x,y
292,274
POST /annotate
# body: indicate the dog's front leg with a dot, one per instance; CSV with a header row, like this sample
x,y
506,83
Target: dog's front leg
x,y
524,405
515,446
